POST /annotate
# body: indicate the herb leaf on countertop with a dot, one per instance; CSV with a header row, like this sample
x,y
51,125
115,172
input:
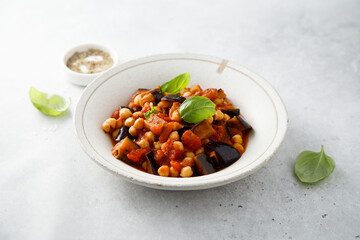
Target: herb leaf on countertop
x,y
311,167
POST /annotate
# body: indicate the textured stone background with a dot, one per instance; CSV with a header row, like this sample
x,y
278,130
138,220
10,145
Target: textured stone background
x,y
308,50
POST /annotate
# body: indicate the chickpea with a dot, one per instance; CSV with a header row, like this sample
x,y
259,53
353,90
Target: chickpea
x,y
144,143
112,122
174,135
188,161
189,154
174,172
133,131
139,123
150,136
157,145
178,146
177,126
195,88
239,147
125,113
184,90
137,114
175,116
157,109
219,115
115,133
210,120
147,98
163,147
129,121
226,117
164,104
187,94
218,101
106,126
186,172
237,139
163,171
144,165
137,99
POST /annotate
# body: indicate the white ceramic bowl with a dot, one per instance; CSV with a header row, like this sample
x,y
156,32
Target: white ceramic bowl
x,y
258,101
83,79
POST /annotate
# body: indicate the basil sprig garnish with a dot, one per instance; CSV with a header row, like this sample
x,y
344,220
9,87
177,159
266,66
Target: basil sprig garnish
x,y
148,113
196,109
311,166
175,85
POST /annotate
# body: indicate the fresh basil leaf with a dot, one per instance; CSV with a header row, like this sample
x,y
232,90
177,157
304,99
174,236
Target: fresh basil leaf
x,y
148,113
196,109
311,166
49,104
175,85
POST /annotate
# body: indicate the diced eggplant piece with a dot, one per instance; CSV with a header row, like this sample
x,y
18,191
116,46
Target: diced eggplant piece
x,y
122,148
123,133
232,112
226,153
245,124
173,98
143,89
157,95
154,167
239,123
222,133
203,164
203,129
132,110
217,164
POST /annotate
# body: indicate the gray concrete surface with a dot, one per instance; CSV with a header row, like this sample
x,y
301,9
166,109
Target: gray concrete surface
x,y
308,50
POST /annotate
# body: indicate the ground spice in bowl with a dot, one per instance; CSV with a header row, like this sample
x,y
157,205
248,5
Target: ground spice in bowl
x,y
90,61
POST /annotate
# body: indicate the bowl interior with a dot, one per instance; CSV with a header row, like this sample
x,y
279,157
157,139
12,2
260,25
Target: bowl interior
x,y
247,91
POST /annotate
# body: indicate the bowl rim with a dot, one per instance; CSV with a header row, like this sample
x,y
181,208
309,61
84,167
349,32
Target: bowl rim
x,y
201,182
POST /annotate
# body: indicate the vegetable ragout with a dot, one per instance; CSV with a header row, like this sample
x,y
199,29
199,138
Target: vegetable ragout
x,y
175,131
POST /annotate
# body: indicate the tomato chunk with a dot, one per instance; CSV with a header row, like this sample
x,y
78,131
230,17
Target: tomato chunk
x,y
176,165
211,93
157,128
221,134
190,140
137,155
171,152
146,107
116,113
165,132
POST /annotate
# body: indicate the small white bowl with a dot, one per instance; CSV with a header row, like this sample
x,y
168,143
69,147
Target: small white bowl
x,y
258,101
83,79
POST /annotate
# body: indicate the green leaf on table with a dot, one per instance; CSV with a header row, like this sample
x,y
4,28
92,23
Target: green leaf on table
x,y
175,85
196,109
49,104
311,166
